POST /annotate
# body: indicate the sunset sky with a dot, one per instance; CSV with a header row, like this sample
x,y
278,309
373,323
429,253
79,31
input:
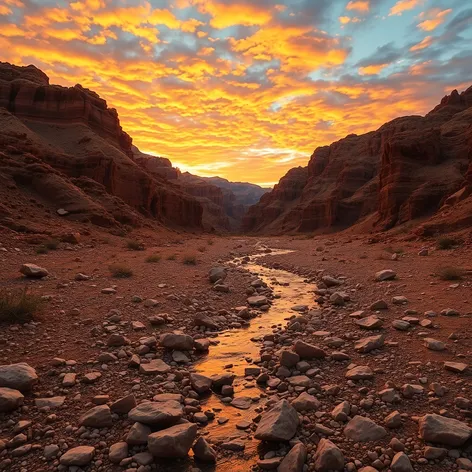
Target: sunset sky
x,y
246,89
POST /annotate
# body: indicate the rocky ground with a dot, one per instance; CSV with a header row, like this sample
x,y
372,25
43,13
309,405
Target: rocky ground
x,y
372,375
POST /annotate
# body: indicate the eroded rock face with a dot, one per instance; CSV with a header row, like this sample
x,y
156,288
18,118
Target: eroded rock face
x,y
404,170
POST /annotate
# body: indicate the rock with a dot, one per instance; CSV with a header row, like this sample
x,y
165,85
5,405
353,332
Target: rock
x,y
78,456
138,434
91,377
233,445
33,271
118,452
117,340
362,429
10,399
457,367
328,457
20,377
393,420
294,461
341,412
337,299
361,372
288,358
257,300
202,345
269,464
156,366
401,463
173,442
202,319
217,273
97,417
51,402
220,380
401,325
242,403
439,429
434,344
203,451
123,405
306,402
50,451
69,379
384,275
331,281
366,345
399,300
433,453
278,424
379,305
178,341
370,322
159,414
308,351
200,383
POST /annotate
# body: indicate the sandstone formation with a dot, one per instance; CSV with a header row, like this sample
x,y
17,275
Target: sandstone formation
x,y
408,168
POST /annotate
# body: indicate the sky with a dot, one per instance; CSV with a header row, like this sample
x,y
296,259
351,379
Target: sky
x,y
246,89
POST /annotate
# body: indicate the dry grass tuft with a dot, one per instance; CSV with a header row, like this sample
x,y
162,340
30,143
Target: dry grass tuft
x,y
189,259
153,258
120,271
19,306
450,273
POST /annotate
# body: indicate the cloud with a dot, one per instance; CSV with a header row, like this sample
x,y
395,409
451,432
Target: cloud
x,y
358,5
433,18
425,43
404,5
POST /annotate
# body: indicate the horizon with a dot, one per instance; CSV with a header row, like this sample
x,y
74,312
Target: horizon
x,y
242,91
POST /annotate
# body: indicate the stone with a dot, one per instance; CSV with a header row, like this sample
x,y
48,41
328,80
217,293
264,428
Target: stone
x,y
118,452
401,325
308,351
457,367
306,402
51,402
440,429
362,429
379,305
399,300
202,319
233,445
331,281
69,380
294,461
257,300
366,345
370,322
337,299
202,345
178,341
10,399
242,403
123,405
78,456
288,358
117,340
156,366
20,377
219,380
203,451
91,377
361,372
401,463
433,453
328,457
279,423
97,417
434,344
299,381
50,451
159,414
200,383
341,412
33,271
393,420
138,434
173,442
384,275
217,273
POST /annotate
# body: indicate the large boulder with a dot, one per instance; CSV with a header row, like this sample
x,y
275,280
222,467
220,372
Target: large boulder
x,y
173,442
328,457
439,429
401,463
366,345
308,351
362,429
294,460
97,417
78,456
10,399
203,451
306,402
202,319
33,271
217,273
177,341
160,414
20,376
200,383
279,423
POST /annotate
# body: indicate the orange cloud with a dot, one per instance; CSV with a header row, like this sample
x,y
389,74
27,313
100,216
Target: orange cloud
x,y
404,5
359,5
433,18
425,43
372,70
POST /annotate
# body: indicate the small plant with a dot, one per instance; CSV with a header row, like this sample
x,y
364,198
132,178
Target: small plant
x,y
153,258
51,244
190,260
19,306
450,273
134,245
42,249
172,257
120,271
446,243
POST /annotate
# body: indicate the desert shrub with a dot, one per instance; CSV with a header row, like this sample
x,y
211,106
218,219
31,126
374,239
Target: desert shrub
x,y
450,273
153,258
446,243
189,259
120,271
51,244
42,249
171,257
19,306
134,245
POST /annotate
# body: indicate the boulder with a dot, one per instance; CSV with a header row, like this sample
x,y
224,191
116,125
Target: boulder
x,y
306,402
123,405
370,322
217,273
50,402
328,457
384,275
10,399
173,442
203,451
366,345
97,417
202,319
156,366
401,463
308,351
362,429
279,423
439,429
294,461
33,271
200,383
257,300
178,341
118,452
20,377
160,414
78,456
138,434
361,372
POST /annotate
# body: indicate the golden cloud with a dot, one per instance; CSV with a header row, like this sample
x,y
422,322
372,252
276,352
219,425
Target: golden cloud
x,y
433,18
425,43
359,5
404,5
